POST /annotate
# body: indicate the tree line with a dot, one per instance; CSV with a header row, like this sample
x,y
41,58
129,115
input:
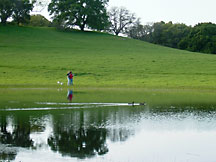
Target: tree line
x,y
200,38
93,14
84,14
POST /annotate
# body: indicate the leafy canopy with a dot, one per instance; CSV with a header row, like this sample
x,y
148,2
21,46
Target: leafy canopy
x,y
81,13
19,10
6,10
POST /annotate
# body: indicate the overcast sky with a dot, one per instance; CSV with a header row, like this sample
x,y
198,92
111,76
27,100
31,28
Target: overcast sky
x,y
189,12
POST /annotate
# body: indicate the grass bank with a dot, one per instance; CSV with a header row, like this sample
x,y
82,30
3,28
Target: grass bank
x,y
39,57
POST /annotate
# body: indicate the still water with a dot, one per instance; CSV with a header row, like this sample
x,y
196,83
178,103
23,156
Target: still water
x,y
40,130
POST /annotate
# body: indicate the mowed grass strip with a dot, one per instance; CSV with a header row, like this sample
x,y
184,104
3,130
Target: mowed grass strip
x,y
36,57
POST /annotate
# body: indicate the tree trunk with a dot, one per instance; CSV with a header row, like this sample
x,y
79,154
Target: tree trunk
x,y
3,21
82,28
117,33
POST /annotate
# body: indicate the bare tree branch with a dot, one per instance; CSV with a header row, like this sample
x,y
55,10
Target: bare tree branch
x,y
120,19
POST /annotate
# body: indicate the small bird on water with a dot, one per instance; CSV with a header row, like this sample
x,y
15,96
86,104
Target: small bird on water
x,y
132,103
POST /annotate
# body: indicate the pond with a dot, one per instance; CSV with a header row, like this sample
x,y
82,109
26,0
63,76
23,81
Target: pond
x,y
107,125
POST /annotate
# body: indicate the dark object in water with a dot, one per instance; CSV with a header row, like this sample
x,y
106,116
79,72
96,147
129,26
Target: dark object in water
x,y
142,103
132,103
136,104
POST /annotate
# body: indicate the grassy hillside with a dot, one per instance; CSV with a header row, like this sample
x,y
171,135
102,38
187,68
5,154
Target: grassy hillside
x,y
42,56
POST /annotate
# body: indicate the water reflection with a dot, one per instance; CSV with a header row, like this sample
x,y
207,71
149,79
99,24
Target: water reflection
x,y
81,133
17,134
82,143
7,152
92,132
70,95
75,136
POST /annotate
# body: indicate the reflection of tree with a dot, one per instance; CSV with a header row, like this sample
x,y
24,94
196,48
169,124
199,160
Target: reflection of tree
x,y
120,120
19,136
122,134
83,132
7,156
73,136
78,133
82,143
4,138
7,152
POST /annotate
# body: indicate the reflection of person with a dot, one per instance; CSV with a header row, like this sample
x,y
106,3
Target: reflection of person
x,y
70,78
70,95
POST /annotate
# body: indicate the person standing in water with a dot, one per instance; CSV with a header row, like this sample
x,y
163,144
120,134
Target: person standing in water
x,y
70,78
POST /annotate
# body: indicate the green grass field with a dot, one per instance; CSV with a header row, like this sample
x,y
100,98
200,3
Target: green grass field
x,y
39,57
